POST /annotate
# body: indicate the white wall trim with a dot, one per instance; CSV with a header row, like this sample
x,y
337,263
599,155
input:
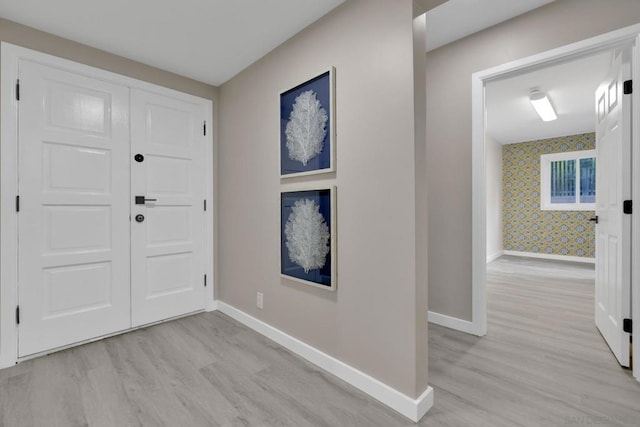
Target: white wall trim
x,y
584,260
414,409
10,57
212,306
635,219
451,322
494,256
210,247
8,215
608,40
545,181
478,208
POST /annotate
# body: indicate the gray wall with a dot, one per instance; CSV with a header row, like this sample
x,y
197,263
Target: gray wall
x,y
449,72
376,320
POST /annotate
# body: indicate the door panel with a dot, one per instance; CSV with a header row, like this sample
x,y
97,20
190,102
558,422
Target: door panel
x,y
76,288
169,274
613,185
74,208
168,246
90,225
169,225
90,174
168,176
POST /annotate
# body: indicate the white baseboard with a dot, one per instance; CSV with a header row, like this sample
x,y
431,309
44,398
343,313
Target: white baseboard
x,y
414,409
494,256
211,305
552,256
451,322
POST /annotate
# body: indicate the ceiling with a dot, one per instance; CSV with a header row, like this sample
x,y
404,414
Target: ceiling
x,y
570,87
456,19
510,116
213,40
206,40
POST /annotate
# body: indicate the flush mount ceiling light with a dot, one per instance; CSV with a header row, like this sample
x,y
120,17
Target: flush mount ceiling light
x,y
543,107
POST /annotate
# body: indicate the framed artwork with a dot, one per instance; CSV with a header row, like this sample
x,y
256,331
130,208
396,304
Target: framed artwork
x,y
307,127
308,236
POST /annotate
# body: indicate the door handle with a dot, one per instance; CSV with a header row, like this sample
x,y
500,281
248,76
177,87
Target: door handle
x,y
141,200
594,219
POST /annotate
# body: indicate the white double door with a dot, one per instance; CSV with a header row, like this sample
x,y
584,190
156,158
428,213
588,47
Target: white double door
x,y
91,261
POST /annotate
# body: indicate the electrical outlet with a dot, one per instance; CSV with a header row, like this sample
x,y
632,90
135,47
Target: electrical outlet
x,y
259,300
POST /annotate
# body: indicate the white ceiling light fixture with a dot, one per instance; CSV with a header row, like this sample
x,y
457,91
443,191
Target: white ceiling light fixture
x,y
542,105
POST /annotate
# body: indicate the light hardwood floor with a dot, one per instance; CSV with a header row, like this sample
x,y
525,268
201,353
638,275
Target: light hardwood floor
x,y
541,364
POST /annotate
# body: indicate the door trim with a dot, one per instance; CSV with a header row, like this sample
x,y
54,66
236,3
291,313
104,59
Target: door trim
x,y
627,35
10,55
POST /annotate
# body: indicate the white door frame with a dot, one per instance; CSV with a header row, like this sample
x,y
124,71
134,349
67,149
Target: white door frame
x,y
10,55
478,81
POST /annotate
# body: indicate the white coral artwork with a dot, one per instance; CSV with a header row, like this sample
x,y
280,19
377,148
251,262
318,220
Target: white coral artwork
x,y
306,128
307,235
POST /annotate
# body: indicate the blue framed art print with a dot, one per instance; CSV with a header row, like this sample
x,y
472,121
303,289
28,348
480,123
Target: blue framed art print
x,y
307,142
307,237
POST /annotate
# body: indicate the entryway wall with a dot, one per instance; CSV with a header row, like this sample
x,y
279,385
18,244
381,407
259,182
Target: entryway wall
x,y
364,339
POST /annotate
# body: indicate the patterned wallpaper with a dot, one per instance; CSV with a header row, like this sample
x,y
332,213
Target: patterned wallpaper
x,y
526,227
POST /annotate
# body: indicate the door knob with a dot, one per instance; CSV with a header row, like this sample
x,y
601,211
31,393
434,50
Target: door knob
x,y
138,157
594,219
141,200
139,218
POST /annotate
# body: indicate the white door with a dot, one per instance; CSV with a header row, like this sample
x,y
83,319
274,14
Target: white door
x,y
167,245
73,219
613,186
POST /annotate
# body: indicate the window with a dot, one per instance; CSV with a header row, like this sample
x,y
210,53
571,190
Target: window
x,y
568,181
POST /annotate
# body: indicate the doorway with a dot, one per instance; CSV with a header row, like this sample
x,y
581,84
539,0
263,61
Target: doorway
x,y
480,80
109,230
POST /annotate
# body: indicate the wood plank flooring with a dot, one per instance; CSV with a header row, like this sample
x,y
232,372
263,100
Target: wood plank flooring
x,y
541,364
202,370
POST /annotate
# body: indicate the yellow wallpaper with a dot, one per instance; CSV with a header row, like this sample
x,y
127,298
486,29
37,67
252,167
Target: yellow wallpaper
x,y
526,227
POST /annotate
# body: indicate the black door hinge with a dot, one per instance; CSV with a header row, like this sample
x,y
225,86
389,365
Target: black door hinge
x,y
627,87
205,280
18,314
627,325
205,204
627,206
17,203
18,90
204,129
